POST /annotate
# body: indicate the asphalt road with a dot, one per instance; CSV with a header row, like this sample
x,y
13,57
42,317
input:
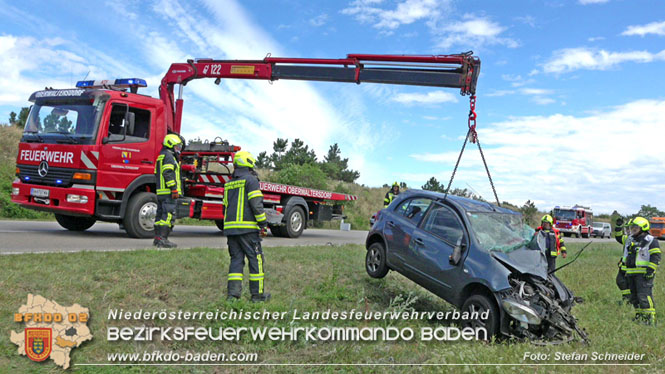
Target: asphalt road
x,y
39,237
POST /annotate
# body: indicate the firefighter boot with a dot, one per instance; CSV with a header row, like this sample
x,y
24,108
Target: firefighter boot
x,y
234,289
261,297
165,237
158,235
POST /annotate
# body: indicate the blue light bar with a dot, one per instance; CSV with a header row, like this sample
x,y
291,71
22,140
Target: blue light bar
x,y
58,181
119,83
26,178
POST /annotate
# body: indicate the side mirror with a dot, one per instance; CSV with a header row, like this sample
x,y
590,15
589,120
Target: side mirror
x,y
455,258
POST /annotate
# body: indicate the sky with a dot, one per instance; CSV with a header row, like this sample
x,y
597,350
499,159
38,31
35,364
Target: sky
x,y
570,103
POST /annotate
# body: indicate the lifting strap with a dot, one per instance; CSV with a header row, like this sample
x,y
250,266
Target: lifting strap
x,y
473,136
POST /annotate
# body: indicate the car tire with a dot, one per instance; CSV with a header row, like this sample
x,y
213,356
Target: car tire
x,y
295,222
481,303
375,261
72,223
139,219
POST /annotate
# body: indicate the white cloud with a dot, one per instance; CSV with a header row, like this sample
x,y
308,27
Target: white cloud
x,y
563,159
571,59
656,28
596,38
587,2
476,31
433,97
406,12
527,20
541,100
319,20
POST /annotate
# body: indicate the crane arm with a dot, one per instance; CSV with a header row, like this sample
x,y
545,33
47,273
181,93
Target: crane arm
x,y
454,71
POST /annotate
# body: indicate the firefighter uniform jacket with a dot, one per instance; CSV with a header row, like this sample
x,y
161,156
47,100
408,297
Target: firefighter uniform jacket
x,y
390,196
641,255
243,203
555,244
167,172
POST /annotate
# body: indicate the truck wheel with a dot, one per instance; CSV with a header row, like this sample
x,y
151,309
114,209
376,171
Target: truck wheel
x,y
139,219
72,223
295,222
220,224
375,261
277,231
480,303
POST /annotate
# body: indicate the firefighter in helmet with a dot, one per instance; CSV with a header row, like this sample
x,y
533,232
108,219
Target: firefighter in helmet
x,y
244,218
390,195
625,240
554,243
641,257
167,174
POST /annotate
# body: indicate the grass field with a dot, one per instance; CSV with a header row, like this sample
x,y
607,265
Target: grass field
x,y
307,279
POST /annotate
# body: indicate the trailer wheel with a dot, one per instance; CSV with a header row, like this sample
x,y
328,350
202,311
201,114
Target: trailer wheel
x,y
295,222
139,219
220,224
75,223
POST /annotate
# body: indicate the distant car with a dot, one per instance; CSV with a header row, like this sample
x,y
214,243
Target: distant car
x,y
476,256
602,229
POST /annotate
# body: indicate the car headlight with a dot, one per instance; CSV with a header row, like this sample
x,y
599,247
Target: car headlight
x,y
521,312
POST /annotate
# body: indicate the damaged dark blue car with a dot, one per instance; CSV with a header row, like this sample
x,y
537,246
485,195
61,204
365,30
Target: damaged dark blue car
x,y
478,257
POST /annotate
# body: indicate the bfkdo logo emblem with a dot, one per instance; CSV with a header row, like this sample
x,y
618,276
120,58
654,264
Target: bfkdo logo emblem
x,y
38,343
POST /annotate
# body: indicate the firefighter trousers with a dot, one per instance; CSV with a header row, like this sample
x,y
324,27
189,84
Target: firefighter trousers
x,y
551,263
641,295
624,287
241,246
165,211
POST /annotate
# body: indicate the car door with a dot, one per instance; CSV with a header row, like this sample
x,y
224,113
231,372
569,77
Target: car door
x,y
433,243
400,226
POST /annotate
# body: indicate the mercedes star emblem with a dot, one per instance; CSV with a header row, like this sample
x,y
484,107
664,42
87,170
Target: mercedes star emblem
x,y
42,169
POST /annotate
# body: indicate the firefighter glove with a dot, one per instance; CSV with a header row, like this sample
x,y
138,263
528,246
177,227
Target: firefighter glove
x,y
174,194
650,274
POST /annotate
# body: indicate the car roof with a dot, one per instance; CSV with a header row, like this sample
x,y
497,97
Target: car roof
x,y
462,203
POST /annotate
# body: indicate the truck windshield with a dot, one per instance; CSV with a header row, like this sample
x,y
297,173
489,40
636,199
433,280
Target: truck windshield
x,y
500,231
567,215
64,120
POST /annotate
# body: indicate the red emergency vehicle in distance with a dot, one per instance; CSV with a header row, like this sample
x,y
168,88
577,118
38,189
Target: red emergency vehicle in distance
x,y
576,220
657,227
87,153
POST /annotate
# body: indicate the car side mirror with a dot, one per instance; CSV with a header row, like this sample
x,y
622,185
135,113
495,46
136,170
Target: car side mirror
x,y
454,259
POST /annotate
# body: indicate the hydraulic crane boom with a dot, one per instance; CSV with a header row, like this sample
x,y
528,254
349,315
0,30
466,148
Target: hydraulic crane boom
x,y
455,71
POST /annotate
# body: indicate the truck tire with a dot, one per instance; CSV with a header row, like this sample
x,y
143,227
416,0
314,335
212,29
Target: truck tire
x,y
277,231
481,303
139,219
220,224
75,223
295,222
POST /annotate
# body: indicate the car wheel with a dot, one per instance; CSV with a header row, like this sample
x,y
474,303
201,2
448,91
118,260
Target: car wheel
x,y
139,219
72,223
375,261
480,303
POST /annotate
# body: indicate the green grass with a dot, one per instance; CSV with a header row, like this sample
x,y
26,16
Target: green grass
x,y
307,279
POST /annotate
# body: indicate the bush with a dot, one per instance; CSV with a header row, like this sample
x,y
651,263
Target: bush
x,y
307,175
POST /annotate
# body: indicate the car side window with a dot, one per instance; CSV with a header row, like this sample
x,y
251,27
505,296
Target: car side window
x,y
443,222
414,209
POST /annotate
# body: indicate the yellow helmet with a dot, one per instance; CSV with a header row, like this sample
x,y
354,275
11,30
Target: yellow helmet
x,y
642,222
244,159
547,218
395,184
172,140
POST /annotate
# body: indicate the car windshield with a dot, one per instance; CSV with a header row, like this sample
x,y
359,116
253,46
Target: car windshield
x,y
567,215
500,231
597,225
64,120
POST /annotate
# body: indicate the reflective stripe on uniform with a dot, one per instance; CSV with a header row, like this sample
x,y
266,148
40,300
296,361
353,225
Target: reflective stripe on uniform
x,y
636,270
235,276
240,225
260,217
253,194
654,250
259,257
625,292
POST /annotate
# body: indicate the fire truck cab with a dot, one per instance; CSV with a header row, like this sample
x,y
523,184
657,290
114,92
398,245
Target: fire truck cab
x,y
576,220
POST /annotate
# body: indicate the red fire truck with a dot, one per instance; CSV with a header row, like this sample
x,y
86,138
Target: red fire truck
x,y
87,153
576,220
